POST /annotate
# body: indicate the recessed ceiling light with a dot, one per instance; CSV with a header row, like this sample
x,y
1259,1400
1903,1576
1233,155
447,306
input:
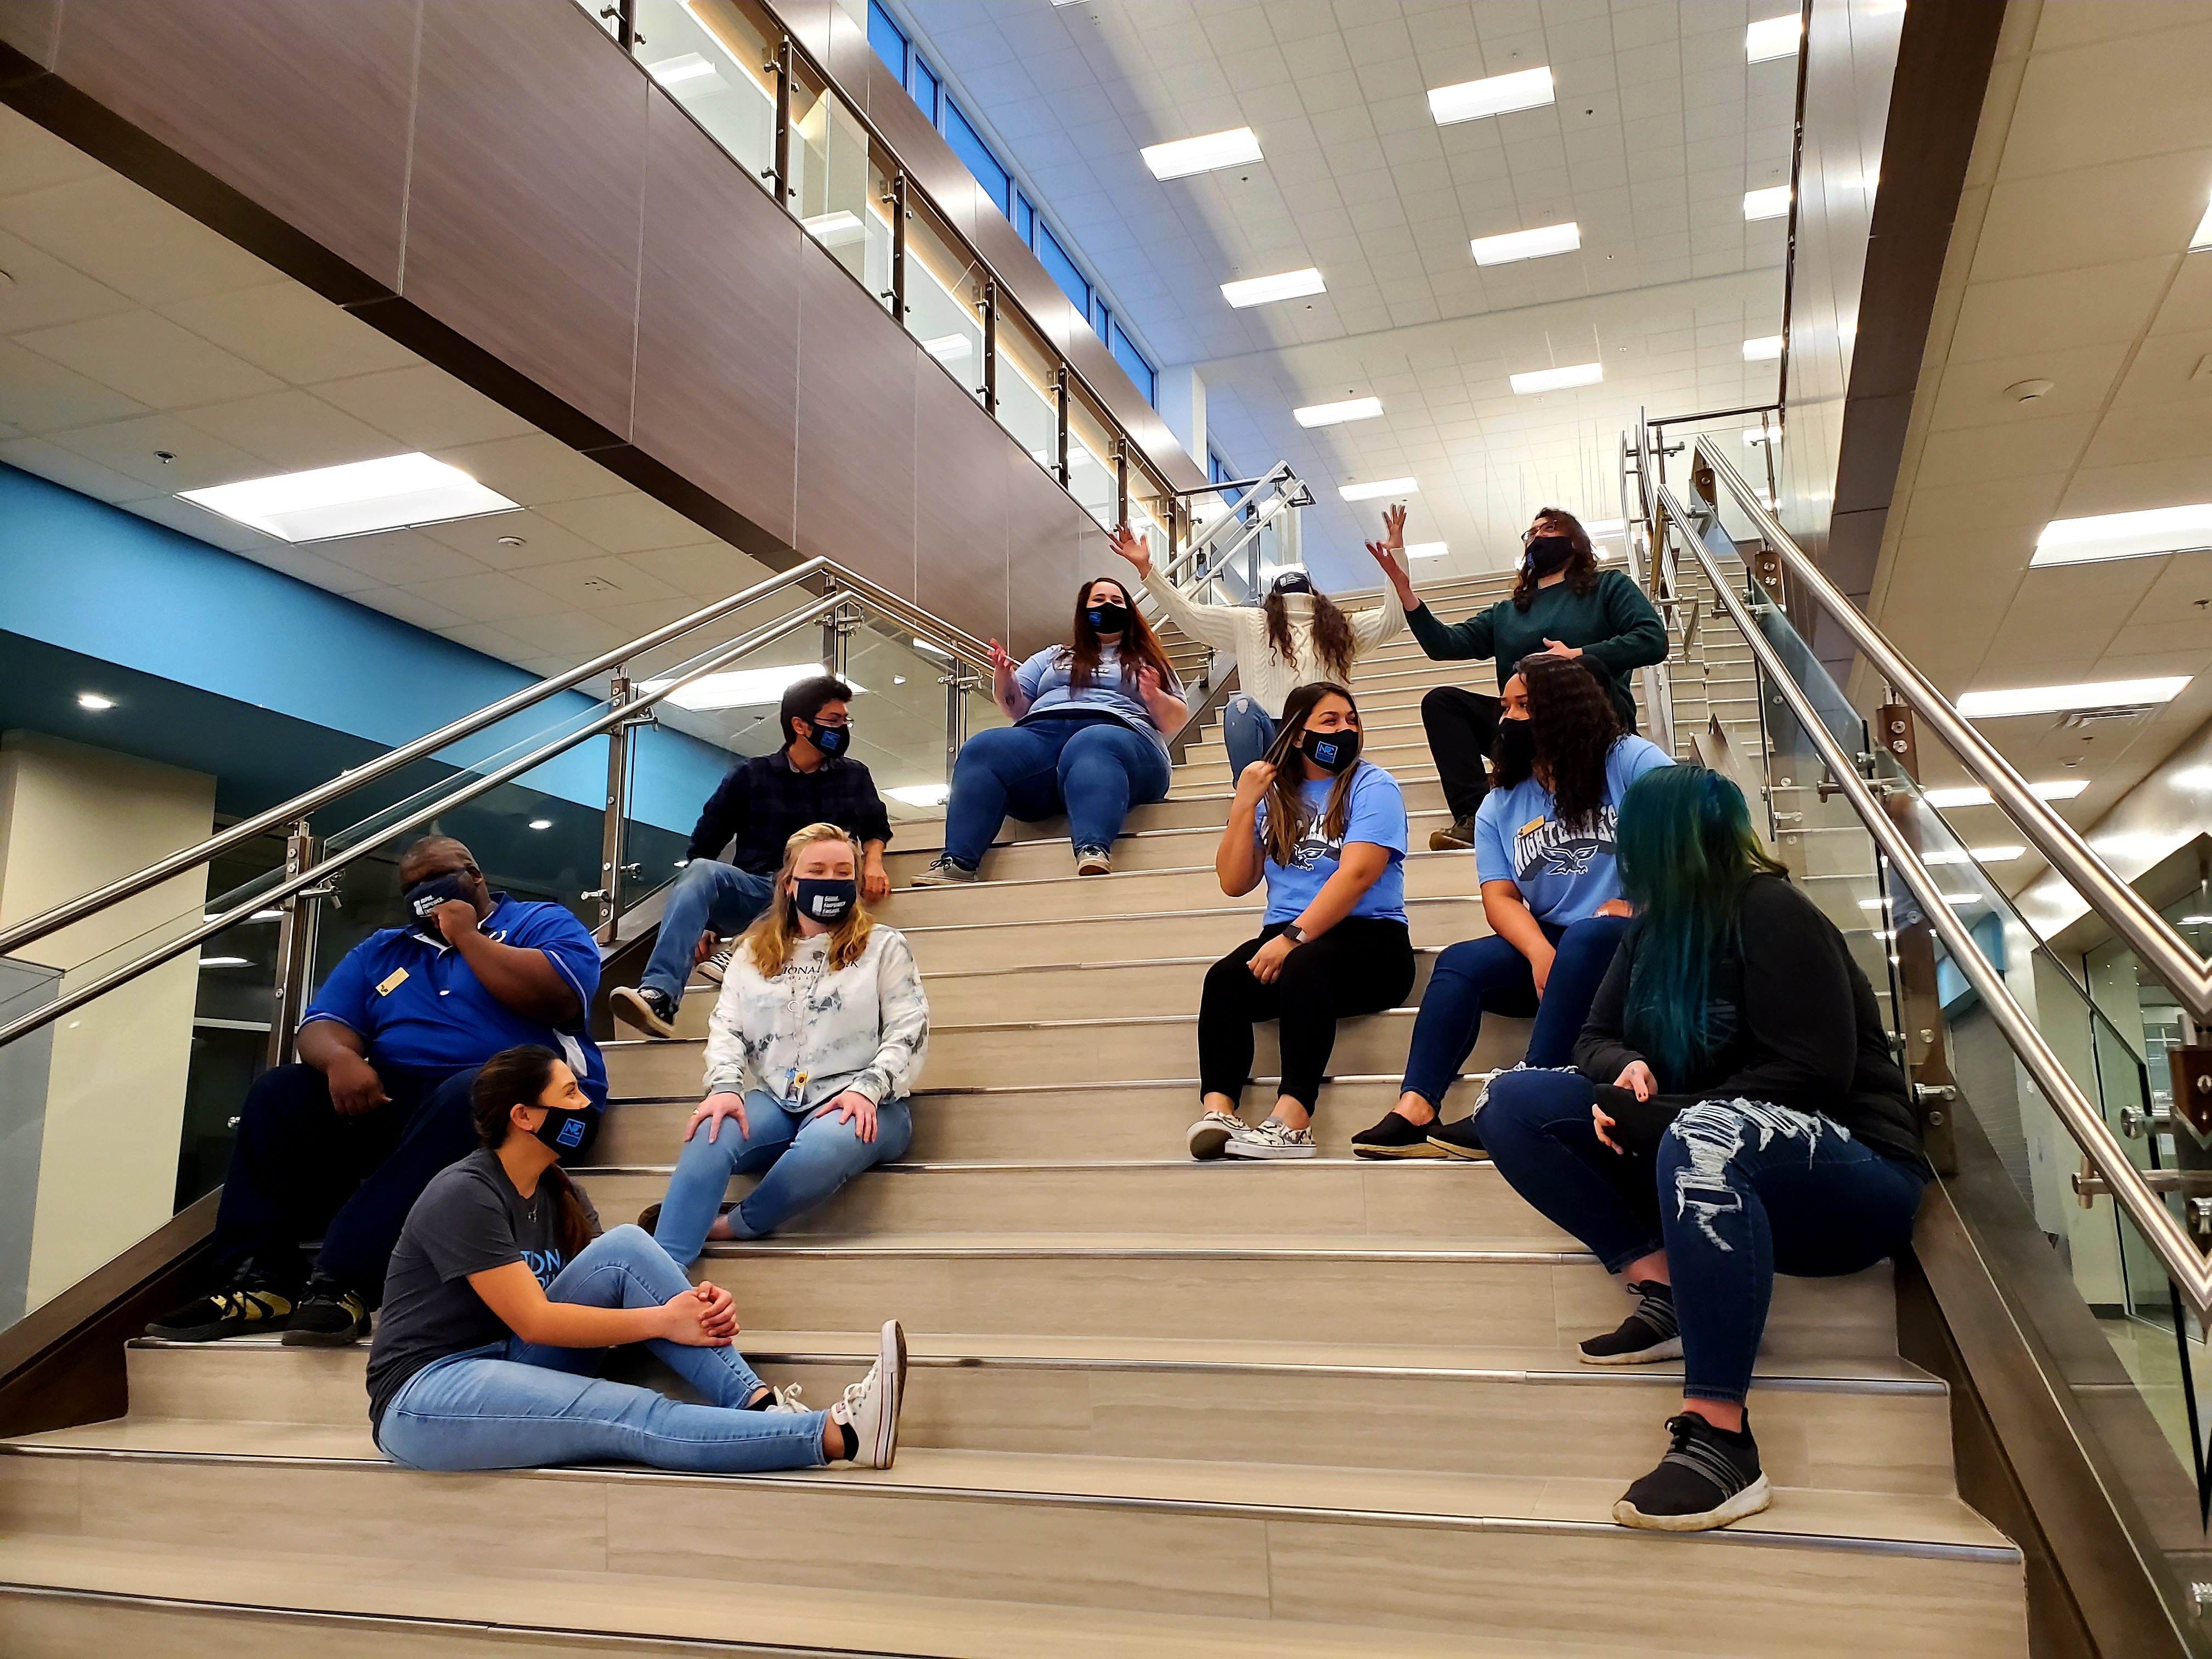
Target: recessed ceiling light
x,y
258,915
1765,349
1948,898
949,348
1973,794
226,962
93,701
1351,409
541,824
921,794
1527,244
1756,436
920,644
2057,699
742,688
1978,854
1284,285
1605,526
1773,36
675,72
1558,380
1368,492
392,493
2195,921
1499,94
1203,154
832,229
1427,549
2202,238
2125,535
1771,203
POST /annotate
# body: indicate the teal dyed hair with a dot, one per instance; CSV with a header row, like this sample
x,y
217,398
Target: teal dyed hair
x,y
1685,849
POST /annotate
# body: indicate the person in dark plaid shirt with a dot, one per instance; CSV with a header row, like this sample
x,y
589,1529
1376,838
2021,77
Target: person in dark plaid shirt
x,y
813,779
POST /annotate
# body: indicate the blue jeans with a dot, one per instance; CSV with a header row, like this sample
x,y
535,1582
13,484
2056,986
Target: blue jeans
x,y
1091,766
1247,729
1743,1190
1479,974
515,1405
707,894
805,1160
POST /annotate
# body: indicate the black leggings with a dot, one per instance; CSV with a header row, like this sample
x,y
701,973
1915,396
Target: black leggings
x,y
1462,727
1361,966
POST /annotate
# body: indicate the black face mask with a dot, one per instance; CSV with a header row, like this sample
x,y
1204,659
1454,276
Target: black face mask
x,y
1109,618
1515,750
823,899
1332,751
831,740
1293,583
562,1130
425,897
1549,554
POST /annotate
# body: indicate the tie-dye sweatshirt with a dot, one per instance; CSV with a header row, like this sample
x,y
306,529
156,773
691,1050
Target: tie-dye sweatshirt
x,y
812,1032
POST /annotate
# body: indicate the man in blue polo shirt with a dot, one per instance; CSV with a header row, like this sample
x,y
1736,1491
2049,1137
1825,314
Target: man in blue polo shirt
x,y
342,1145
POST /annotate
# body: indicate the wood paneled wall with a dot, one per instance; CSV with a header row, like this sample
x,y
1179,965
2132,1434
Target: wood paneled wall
x,y
495,184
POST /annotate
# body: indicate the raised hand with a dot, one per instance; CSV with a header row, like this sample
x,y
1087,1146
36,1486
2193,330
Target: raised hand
x,y
1000,662
1393,526
1256,779
1132,547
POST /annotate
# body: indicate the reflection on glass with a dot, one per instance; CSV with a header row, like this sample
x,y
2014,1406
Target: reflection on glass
x,y
944,290
710,58
1026,407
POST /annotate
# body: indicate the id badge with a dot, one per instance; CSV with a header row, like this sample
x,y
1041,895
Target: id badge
x,y
794,1080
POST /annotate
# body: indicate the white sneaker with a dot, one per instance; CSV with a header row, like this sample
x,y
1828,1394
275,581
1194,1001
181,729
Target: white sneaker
x,y
1273,1139
716,965
944,870
1212,1133
871,1406
785,1403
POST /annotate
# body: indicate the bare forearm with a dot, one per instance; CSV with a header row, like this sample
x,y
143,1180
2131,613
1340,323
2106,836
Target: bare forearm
x,y
1512,921
1237,861
523,979
569,1325
325,1043
1338,895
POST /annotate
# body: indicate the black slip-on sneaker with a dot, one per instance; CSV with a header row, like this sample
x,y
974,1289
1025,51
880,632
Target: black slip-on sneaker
x,y
1394,1137
1708,1478
648,1218
641,1006
232,1312
1650,1333
1457,1140
327,1317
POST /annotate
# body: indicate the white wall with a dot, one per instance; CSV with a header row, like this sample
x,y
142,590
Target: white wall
x,y
72,818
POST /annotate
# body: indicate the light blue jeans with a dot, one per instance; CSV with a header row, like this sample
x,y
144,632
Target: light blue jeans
x,y
515,1404
1247,729
707,894
805,1159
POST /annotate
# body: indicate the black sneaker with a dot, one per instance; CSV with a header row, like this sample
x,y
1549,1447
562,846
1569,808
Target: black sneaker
x,y
1708,1478
232,1312
648,1218
1395,1136
1648,1334
328,1316
641,1006
1457,1139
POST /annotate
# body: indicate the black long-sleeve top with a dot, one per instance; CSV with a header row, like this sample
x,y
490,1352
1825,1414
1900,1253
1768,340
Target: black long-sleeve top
x,y
1796,1022
765,801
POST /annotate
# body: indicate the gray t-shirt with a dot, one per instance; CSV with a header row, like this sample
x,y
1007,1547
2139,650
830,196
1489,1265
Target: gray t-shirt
x,y
469,1219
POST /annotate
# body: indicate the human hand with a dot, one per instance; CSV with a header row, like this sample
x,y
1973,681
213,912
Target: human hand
x,y
722,1307
1254,780
874,883
1615,908
1394,526
1000,662
1601,1122
1385,553
354,1087
1636,1078
1554,648
710,942
853,1108
689,1318
1131,547
1150,686
712,1110
1267,961
1539,968
455,918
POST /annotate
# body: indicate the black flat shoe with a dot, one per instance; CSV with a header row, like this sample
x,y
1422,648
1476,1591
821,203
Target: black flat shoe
x,y
1458,1140
1394,1137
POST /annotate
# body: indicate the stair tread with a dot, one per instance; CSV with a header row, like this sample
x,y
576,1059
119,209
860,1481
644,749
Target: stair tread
x,y
1271,1245
1912,1522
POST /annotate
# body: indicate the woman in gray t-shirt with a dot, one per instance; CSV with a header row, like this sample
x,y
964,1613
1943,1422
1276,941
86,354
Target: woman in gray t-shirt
x,y
499,1296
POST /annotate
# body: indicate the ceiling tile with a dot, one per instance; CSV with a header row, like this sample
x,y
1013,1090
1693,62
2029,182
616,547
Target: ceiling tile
x,y
149,358
422,407
134,242
290,333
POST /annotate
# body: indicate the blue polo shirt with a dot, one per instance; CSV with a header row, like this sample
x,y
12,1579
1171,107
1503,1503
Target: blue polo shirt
x,y
420,1007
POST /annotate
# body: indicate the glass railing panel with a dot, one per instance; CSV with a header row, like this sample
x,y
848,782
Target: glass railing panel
x,y
1091,477
943,299
712,59
836,191
1026,407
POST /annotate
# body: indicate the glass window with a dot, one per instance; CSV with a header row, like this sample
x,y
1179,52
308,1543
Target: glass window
x,y
923,85
969,147
1025,220
1133,362
888,39
1061,269
1101,320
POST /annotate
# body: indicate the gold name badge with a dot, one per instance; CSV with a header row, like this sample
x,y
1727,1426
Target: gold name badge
x,y
398,978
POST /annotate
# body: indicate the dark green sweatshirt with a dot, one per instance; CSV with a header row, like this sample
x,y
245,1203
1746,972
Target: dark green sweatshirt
x,y
1613,624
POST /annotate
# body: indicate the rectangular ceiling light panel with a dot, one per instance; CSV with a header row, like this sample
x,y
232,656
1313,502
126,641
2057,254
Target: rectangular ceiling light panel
x,y
1771,203
1261,290
1558,380
1427,549
1765,349
1204,154
832,229
1538,244
1368,492
1773,36
1500,95
2125,535
2202,238
390,494
1973,794
742,688
1351,409
2058,699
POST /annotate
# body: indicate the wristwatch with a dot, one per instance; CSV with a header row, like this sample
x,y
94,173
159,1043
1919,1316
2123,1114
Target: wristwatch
x,y
1296,934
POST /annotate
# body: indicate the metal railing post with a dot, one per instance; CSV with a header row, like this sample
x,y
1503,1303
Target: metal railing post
x,y
611,826
833,638
957,683
1913,952
898,247
991,349
1060,423
295,945
782,70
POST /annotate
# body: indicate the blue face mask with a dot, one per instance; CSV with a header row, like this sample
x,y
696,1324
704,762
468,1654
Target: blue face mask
x,y
831,740
820,899
562,1130
425,897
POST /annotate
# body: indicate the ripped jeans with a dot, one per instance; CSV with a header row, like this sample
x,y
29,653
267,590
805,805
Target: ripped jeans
x,y
1743,1189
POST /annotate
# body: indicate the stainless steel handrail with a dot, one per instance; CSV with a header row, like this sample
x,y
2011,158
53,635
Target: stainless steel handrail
x,y
2185,1264
2154,941
959,643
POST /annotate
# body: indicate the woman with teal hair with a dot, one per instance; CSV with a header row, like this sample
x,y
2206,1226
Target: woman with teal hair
x,y
1734,1112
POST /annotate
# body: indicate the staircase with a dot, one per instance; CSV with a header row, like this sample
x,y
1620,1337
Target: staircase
x,y
1155,1407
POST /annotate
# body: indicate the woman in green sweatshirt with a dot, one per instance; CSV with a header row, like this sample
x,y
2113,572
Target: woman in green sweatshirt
x,y
1563,604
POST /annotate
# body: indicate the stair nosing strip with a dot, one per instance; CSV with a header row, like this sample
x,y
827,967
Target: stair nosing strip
x,y
738,1250
1132,915
1990,1554
956,1166
996,1088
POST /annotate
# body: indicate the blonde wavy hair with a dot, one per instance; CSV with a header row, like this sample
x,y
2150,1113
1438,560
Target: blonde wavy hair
x,y
770,939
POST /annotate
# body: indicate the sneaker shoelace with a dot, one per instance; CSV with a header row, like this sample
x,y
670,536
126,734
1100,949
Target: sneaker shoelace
x,y
250,1304
856,1393
787,1397
1658,1312
1700,1455
719,961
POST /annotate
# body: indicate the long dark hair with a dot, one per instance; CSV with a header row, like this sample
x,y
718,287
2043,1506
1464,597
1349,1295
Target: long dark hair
x,y
1289,816
519,1076
1686,850
1332,632
1582,563
1139,643
1572,728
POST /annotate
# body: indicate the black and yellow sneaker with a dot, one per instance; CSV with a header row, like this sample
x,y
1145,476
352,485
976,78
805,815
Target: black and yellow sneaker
x,y
328,1316
234,1312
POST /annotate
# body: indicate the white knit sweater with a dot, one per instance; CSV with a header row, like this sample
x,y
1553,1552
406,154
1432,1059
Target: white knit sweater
x,y
811,1033
1260,674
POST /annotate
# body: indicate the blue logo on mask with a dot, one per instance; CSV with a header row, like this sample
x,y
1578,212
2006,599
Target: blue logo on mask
x,y
571,1131
1325,752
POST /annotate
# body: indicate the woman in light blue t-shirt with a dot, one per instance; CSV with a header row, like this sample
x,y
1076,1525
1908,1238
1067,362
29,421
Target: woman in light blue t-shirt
x,y
1550,891
1327,832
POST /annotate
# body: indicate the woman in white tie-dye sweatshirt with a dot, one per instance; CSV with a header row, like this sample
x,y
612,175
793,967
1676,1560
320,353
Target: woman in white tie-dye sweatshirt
x,y
816,1043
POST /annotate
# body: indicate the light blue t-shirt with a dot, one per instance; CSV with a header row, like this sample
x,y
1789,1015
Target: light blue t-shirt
x,y
1376,813
1564,876
1043,680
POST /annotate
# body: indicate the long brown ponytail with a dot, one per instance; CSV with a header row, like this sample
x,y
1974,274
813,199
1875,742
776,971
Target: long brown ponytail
x,y
1331,633
520,1077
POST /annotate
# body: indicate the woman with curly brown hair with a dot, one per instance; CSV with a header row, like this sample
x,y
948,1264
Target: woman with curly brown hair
x,y
1550,891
